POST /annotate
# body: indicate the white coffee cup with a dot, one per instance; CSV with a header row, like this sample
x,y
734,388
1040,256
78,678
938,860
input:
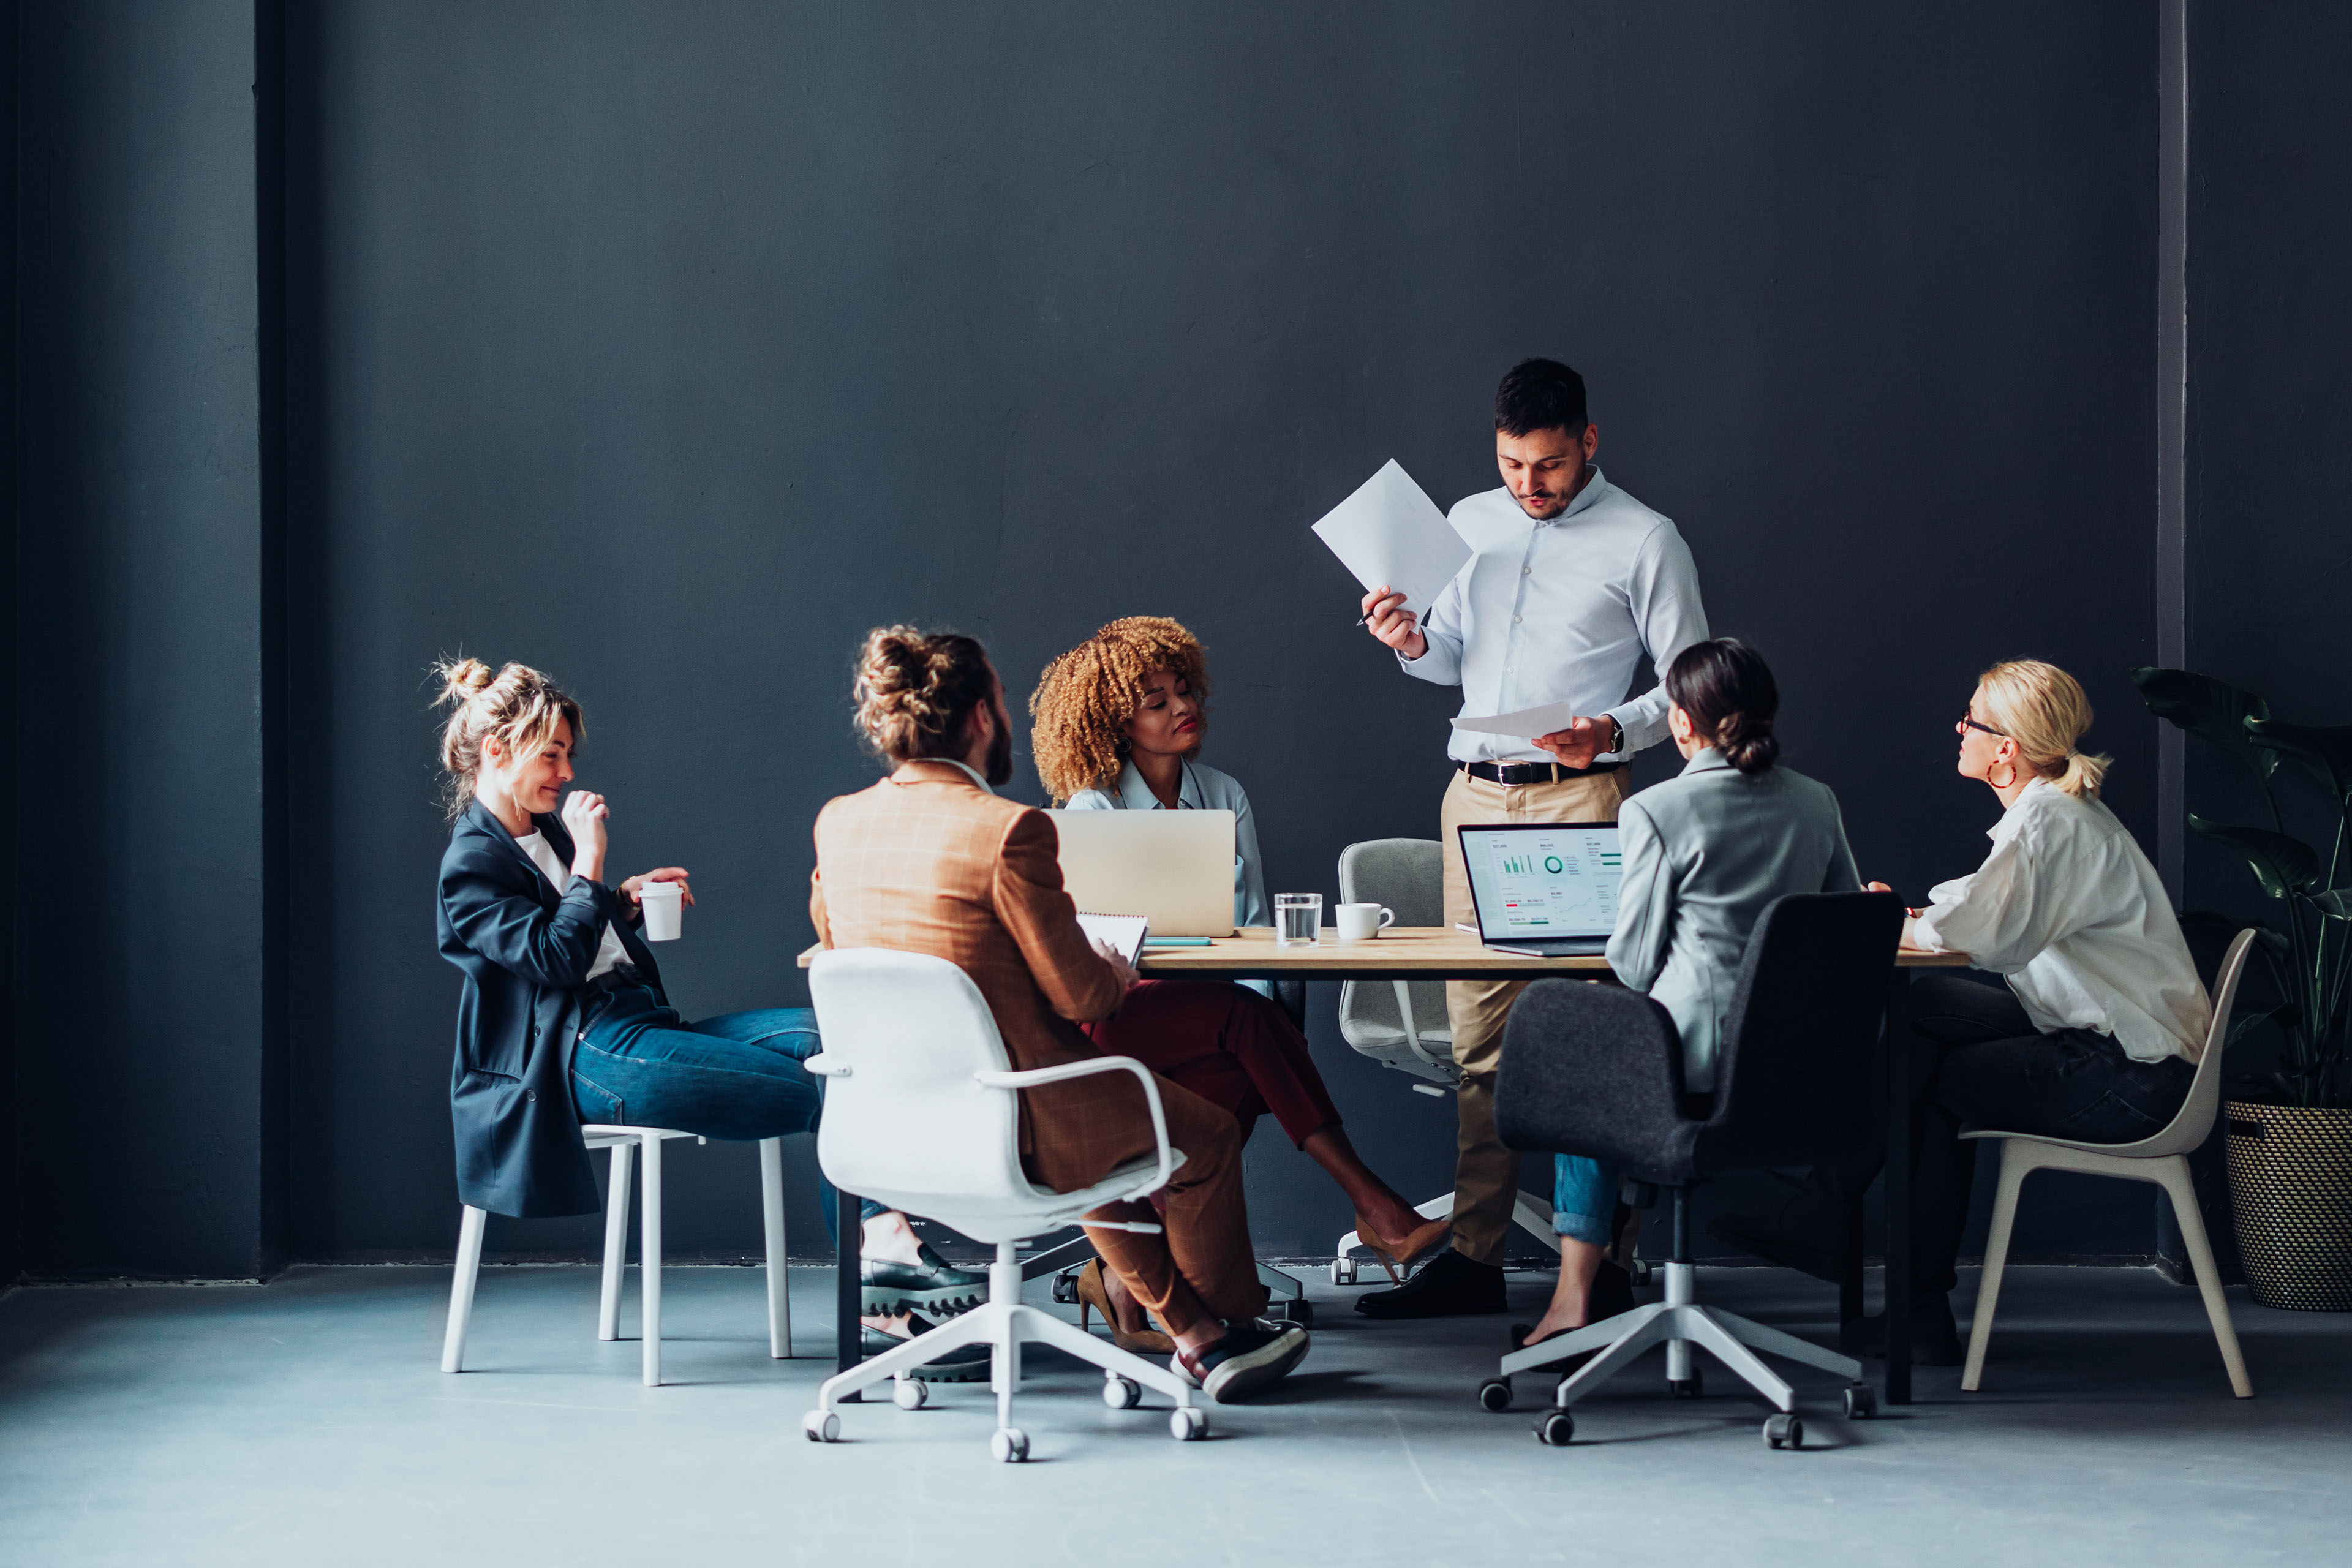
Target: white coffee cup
x,y
1360,923
665,906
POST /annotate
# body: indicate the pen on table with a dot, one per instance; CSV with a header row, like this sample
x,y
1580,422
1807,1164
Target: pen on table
x,y
1176,942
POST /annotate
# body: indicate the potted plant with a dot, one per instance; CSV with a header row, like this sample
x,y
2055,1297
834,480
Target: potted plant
x,y
2290,1127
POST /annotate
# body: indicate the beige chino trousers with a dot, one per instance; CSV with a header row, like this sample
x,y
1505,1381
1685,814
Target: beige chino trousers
x,y
1486,1174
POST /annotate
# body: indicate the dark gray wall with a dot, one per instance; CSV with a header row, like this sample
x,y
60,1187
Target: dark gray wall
x,y
2270,469
139,1084
671,347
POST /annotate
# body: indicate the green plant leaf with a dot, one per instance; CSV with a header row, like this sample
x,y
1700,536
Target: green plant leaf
x,y
2281,863
2210,709
2325,749
2337,903
2286,1015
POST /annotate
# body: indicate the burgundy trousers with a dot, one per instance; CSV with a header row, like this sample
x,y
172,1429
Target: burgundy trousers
x,y
1231,1047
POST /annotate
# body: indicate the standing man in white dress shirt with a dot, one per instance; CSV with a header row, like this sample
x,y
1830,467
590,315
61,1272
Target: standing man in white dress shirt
x,y
1571,585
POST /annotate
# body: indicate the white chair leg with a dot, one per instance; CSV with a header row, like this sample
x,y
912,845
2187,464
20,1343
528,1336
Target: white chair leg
x,y
1533,1214
2015,1165
649,1262
617,1242
2174,1178
772,1211
461,1288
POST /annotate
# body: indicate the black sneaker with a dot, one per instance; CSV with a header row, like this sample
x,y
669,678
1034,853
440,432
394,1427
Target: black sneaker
x,y
1251,1356
931,1282
1448,1285
1935,1337
965,1364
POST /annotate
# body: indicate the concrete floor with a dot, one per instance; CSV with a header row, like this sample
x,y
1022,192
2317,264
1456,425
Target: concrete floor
x,y
305,1421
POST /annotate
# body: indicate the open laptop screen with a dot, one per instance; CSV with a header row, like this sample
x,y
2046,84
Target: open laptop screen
x,y
1533,881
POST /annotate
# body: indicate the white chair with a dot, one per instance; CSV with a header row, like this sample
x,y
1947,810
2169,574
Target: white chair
x,y
1402,1023
2162,1160
921,1114
625,1142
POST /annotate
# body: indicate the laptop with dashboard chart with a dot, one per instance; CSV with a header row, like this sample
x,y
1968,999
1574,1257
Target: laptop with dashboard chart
x,y
1547,889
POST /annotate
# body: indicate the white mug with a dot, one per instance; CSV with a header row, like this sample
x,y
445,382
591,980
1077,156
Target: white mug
x,y
665,906
1359,922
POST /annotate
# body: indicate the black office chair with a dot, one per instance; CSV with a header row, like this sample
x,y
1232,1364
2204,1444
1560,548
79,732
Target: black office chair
x,y
1596,1070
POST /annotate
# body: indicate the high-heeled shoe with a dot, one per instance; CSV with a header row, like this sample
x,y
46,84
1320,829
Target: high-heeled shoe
x,y
1095,1296
1419,1243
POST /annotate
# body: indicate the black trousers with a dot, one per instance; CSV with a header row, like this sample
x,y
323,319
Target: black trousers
x,y
1977,1059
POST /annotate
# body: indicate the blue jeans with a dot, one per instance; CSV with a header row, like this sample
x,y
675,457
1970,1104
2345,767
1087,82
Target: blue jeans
x,y
1584,1199
736,1076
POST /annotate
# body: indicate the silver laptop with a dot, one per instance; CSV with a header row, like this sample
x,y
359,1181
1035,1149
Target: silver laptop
x,y
1545,889
1175,868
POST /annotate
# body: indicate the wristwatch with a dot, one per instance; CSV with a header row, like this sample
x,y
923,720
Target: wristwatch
x,y
1617,726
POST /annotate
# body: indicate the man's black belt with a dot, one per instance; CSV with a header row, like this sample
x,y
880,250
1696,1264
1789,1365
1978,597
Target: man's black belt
x,y
1532,773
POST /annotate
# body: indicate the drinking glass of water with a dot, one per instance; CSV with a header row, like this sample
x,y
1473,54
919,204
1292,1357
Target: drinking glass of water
x,y
1297,918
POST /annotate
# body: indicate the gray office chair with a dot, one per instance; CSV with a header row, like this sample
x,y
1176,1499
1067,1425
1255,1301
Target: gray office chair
x,y
1400,1023
1597,1071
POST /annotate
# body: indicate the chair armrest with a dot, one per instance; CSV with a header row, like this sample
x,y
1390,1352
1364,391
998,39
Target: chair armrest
x,y
825,1066
1066,1070
1594,1070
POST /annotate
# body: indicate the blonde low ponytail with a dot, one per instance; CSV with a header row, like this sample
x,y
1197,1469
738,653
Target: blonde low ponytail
x,y
2083,776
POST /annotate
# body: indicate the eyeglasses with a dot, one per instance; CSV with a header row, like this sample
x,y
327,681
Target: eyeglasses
x,y
1967,723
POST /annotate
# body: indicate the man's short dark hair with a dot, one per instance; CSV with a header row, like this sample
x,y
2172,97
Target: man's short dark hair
x,y
1540,395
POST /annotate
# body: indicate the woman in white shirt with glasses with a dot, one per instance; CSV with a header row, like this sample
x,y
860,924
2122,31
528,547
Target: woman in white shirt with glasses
x,y
2095,1032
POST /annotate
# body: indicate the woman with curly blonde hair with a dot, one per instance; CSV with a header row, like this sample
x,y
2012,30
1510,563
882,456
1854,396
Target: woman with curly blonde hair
x,y
1119,721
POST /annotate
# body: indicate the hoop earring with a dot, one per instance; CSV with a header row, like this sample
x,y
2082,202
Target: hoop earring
x,y
2006,783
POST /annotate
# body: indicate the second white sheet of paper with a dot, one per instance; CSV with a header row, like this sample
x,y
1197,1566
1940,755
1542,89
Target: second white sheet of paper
x,y
1391,532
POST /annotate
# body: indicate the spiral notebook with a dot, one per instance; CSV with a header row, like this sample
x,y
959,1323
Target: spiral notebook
x,y
1122,934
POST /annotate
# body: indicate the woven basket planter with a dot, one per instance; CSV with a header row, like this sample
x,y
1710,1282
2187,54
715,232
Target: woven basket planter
x,y
2291,1184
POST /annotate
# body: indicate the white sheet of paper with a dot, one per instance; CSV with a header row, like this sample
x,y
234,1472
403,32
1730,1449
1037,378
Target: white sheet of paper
x,y
1391,532
1527,723
1123,932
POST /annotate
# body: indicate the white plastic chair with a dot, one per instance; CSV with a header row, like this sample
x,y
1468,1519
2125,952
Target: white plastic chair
x,y
2162,1160
921,1114
625,1142
1402,1023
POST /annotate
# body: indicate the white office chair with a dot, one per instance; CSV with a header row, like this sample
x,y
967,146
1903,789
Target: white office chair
x,y
1402,1023
921,1114
625,1142
2162,1160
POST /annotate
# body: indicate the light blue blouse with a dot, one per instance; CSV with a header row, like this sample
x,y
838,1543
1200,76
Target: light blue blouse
x,y
1203,789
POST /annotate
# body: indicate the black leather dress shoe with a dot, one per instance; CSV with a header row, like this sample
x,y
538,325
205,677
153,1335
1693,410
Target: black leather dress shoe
x,y
931,1283
1448,1285
1935,1337
1771,1239
965,1364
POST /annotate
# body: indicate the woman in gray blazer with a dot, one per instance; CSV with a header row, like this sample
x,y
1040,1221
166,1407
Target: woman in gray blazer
x,y
1705,852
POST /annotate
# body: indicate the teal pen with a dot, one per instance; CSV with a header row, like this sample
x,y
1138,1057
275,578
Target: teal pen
x,y
1176,942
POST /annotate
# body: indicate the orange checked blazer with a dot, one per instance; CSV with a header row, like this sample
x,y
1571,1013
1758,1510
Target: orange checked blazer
x,y
927,861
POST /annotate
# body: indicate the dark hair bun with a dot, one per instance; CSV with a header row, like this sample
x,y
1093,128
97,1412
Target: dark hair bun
x,y
1728,691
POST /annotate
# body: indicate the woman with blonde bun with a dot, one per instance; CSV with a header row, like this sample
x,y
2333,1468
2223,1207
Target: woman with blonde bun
x,y
2091,1031
562,1018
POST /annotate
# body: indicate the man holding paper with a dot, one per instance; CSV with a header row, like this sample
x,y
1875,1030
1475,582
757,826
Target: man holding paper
x,y
1570,584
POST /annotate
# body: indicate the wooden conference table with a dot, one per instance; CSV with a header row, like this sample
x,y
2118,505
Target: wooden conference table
x,y
1433,953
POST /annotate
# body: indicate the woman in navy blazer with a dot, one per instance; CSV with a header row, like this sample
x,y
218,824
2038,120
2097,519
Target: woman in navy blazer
x,y
562,1018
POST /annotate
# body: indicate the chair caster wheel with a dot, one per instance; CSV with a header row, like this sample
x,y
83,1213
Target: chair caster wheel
x,y
819,1427
1641,1271
1008,1445
1495,1393
1554,1429
1065,1287
1122,1393
1343,1271
911,1394
1860,1402
1187,1425
1783,1431
1296,1309
1691,1387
